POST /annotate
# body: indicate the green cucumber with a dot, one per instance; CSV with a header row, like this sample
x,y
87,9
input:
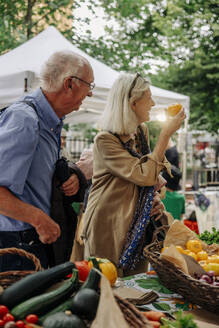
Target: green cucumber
x,y
43,303
34,284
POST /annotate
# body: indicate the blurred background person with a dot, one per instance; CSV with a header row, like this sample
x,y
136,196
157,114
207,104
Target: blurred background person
x,y
174,201
172,153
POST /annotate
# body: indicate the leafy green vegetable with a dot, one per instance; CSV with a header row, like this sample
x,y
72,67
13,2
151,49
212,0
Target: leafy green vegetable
x,y
154,284
210,237
182,321
162,306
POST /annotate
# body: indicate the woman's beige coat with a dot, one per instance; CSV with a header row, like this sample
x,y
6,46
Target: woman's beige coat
x,y
114,195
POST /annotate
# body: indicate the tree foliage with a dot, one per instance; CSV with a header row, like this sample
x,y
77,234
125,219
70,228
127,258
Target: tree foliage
x,y
182,35
22,19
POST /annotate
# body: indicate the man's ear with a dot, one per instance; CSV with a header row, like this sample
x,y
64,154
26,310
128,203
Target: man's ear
x,y
67,83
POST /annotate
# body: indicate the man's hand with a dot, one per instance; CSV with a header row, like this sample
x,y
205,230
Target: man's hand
x,y
15,208
71,186
85,163
157,207
47,229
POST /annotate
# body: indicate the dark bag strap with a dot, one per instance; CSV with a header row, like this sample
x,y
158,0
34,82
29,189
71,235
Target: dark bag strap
x,y
29,103
144,148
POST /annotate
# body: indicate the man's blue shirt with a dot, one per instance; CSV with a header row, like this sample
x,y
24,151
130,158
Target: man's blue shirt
x,y
29,147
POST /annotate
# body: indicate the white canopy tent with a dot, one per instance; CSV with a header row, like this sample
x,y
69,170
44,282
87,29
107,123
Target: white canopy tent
x,y
21,66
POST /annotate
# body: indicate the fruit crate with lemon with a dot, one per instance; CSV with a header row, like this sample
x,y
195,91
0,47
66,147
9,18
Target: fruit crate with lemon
x,y
202,286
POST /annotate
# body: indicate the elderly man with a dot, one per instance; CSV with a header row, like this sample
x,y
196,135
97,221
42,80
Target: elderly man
x,y
30,144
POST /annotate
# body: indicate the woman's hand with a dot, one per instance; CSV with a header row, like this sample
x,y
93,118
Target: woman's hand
x,y
174,123
169,128
157,207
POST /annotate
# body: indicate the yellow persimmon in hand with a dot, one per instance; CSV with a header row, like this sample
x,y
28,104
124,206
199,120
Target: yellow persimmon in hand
x,y
174,109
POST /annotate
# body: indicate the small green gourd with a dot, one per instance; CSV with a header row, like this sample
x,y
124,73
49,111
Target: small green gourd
x,y
85,303
62,320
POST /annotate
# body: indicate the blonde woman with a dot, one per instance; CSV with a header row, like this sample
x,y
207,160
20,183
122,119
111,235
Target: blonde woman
x,y
123,198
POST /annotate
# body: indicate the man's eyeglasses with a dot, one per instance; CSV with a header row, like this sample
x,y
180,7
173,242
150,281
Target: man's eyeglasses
x,y
91,85
133,84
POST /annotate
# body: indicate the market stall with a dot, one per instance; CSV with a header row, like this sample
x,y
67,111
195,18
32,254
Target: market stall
x,y
79,295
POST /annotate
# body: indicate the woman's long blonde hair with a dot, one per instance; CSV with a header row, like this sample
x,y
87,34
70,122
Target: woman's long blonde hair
x,y
118,116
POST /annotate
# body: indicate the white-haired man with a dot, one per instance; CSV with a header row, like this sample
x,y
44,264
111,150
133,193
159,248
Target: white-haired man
x,y
30,143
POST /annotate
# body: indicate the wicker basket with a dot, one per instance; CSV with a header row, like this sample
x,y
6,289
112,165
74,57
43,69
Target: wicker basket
x,y
9,277
194,291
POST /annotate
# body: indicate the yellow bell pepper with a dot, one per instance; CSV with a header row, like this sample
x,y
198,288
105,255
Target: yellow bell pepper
x,y
107,268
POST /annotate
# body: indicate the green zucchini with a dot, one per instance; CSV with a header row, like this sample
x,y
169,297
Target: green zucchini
x,y
41,304
60,308
62,320
92,280
34,284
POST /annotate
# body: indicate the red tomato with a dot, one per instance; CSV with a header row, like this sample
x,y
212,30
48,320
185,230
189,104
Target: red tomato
x,y
3,310
32,318
2,323
20,324
8,317
83,269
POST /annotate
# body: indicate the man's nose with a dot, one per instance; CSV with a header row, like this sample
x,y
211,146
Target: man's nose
x,y
90,93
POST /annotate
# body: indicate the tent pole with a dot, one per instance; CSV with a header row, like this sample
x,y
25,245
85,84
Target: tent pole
x,y
184,154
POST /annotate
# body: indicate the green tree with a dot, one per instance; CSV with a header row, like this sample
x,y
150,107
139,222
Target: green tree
x,y
182,35
198,74
22,19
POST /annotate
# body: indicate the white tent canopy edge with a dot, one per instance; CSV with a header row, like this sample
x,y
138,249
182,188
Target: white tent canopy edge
x,y
24,63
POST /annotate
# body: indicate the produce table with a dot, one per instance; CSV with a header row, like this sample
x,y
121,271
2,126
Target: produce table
x,y
169,302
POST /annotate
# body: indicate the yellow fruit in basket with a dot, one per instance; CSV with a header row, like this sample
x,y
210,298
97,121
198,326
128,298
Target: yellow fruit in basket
x,y
212,267
213,259
202,255
174,109
163,249
180,249
192,255
186,251
194,245
202,263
